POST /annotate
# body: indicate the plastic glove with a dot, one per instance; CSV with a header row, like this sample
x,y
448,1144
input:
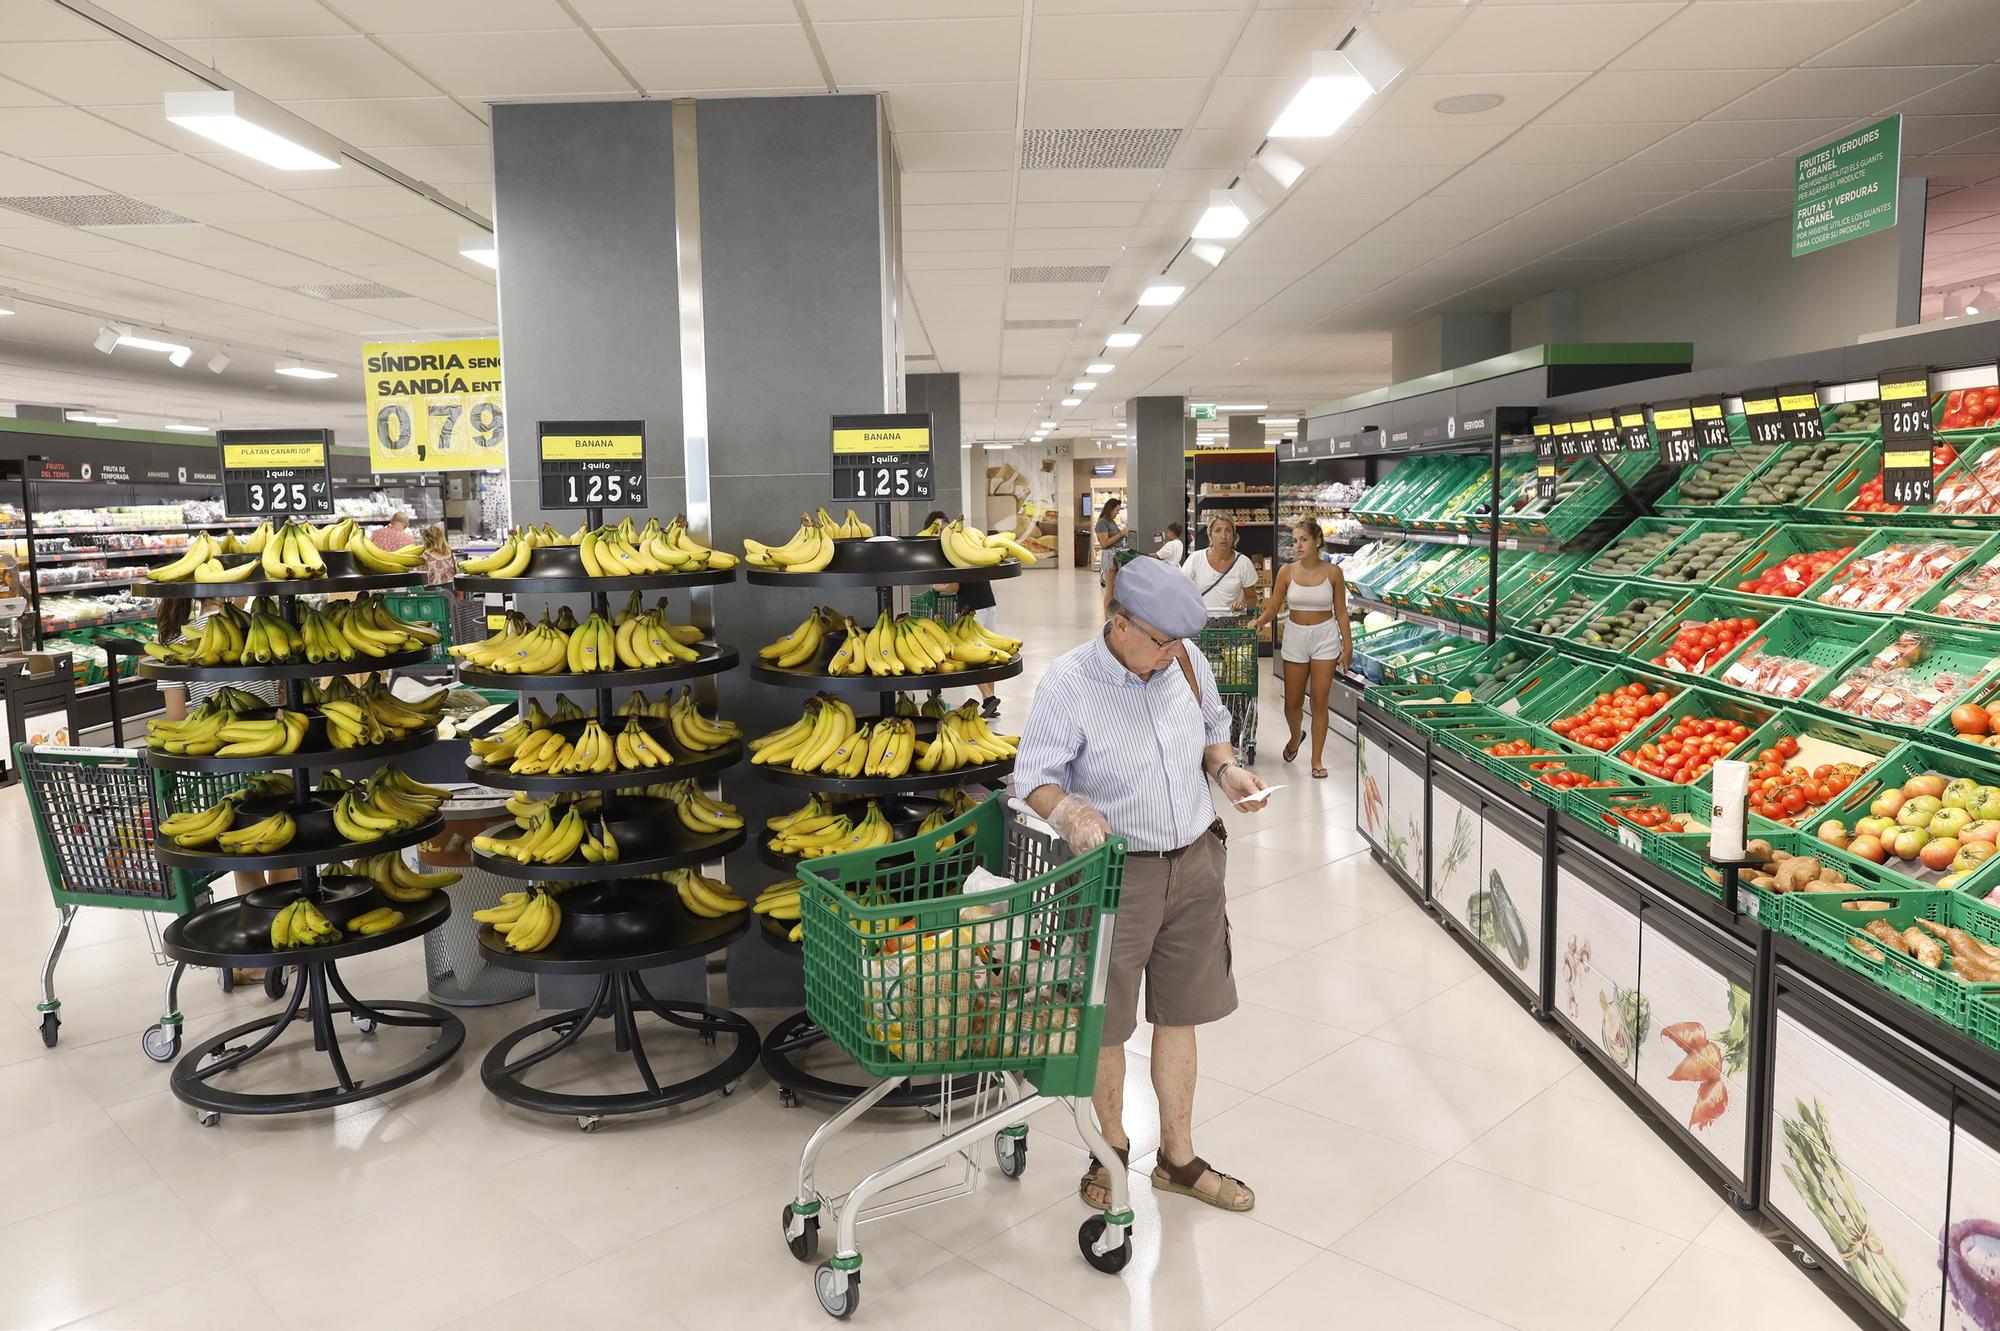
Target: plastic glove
x,y
1081,825
1237,781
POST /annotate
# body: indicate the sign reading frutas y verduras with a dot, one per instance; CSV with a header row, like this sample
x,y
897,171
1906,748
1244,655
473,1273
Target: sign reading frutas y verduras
x,y
1847,188
434,406
276,473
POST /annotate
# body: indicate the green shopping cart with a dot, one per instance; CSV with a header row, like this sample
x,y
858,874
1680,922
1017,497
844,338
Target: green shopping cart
x,y
978,954
1231,650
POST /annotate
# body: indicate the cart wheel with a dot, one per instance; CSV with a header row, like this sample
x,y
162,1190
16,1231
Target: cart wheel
x,y
274,982
366,1025
50,1021
208,1118
587,1122
788,1097
226,977
1010,1153
801,1233
1110,1262
839,1291
728,1089
160,1043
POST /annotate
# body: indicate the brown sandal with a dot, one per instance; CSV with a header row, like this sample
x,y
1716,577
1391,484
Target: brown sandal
x,y
1096,1176
1183,1178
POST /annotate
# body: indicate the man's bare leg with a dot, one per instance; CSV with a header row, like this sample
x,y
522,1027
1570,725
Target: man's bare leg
x,y
1173,1083
1107,1098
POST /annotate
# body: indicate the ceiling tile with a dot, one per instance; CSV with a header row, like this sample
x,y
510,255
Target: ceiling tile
x,y
1626,177
394,122
1245,103
487,65
64,131
1615,95
1962,29
1739,203
1098,214
471,161
961,50
1751,34
245,205
1850,94
1929,134
1577,143
835,11
93,71
453,16
1214,148
962,151
1954,168
920,187
664,13
1403,147
307,67
1412,100
1515,177
955,216
690,59
1091,186
197,20
1716,139
364,201
1279,43
1106,238
1106,46
931,107
1396,182
1111,103
1467,207
1597,209
1544,37
147,175
19,178
1970,94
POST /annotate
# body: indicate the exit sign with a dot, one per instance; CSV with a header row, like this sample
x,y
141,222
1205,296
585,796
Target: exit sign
x,y
1204,411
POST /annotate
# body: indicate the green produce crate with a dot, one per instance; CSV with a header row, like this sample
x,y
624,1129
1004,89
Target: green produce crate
x,y
1598,590
1597,494
1859,419
1496,668
1709,703
1963,596
1689,495
1600,809
1557,673
1821,922
1702,610
1940,403
1780,543
1473,741
1915,759
1792,476
1670,568
1588,638
1528,773
1686,855
1801,633
1606,562
1956,662
1872,745
1968,493
1445,666
1834,502
428,608
1570,695
1974,548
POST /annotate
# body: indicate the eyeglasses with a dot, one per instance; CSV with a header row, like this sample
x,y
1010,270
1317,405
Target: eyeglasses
x,y
1162,643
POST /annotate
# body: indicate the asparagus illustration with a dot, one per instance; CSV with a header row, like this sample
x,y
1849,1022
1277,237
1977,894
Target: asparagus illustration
x,y
1815,1170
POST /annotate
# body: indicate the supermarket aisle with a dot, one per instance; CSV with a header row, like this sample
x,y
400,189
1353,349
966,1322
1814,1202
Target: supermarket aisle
x,y
1425,1155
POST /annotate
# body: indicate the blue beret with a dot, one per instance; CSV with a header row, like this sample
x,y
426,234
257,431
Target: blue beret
x,y
1163,596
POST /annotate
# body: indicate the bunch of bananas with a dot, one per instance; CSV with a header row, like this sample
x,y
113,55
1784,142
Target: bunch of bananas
x,y
632,641
266,836
532,751
808,551
396,880
552,840
216,728
849,528
964,740
606,552
302,924
526,920
599,846
374,714
832,833
697,810
289,553
387,802
378,921
968,547
369,557
802,644
260,636
937,819
780,901
707,897
827,737
347,630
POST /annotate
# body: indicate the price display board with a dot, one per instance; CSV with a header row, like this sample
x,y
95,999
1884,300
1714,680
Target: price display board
x,y
880,459
1711,426
1798,406
1632,430
1604,433
276,473
1760,409
1545,461
1907,471
593,464
1680,443
1567,444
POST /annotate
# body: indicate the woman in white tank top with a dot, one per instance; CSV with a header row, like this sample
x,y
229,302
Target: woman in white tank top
x,y
1317,638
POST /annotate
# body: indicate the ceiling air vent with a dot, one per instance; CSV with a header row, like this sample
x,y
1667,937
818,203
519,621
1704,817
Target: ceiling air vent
x,y
93,210
1097,149
349,291
1039,325
1050,273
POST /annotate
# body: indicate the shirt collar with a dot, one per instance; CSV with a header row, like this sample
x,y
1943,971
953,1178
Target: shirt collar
x,y
1110,667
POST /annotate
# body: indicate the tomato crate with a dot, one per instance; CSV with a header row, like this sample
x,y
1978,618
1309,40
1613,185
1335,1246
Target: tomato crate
x,y
1897,569
1817,639
1645,693
1816,743
1651,650
1703,486
1970,488
1685,854
1827,921
1696,705
1605,809
1837,501
1474,740
1597,771
1641,542
1965,411
1909,674
1704,551
1785,546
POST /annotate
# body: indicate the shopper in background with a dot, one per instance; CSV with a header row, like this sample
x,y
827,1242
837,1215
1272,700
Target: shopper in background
x,y
395,534
168,622
1318,640
1122,739
440,564
978,598
1110,536
1222,574
1174,549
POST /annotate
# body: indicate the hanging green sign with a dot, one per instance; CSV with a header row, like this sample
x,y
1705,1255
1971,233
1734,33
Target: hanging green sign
x,y
1847,188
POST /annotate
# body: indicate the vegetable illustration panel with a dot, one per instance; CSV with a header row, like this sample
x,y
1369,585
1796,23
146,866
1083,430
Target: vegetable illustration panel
x,y
1860,1167
1370,799
1696,1063
1455,854
1597,970
1404,839
1504,908
1972,1240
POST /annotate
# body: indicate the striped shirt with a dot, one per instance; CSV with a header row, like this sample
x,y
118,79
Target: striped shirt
x,y
1131,747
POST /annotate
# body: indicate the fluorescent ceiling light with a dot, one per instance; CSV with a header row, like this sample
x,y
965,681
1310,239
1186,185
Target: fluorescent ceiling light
x,y
254,128
106,339
1099,367
1208,252
480,247
1161,293
1221,220
1243,406
1083,385
90,418
1124,336
180,427
1048,425
294,370
1331,93
1279,165
5,309
218,362
1072,402
1278,420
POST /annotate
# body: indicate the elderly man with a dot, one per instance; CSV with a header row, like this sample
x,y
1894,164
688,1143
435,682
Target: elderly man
x,y
1124,735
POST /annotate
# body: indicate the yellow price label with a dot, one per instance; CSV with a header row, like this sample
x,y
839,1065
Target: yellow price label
x,y
305,453
1706,411
1673,418
593,447
1562,429
1916,461
1541,429
1799,402
1759,406
1906,389
888,439
1600,423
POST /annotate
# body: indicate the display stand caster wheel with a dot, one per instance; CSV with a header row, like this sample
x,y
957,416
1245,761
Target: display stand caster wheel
x,y
708,1035
274,982
1806,1259
801,1233
226,977
161,1043
1010,1153
839,1291
50,1024
728,1090
1088,1240
788,1097
366,1025
208,1118
587,1122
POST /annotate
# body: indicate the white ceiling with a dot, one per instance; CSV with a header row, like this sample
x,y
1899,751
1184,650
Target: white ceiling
x,y
1631,130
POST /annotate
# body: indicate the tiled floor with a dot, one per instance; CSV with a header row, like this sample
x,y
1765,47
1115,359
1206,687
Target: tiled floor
x,y
1426,1155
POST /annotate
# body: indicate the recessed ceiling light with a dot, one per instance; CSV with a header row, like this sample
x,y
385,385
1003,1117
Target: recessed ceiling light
x,y
1072,402
1278,420
1083,385
1048,425
1208,252
179,427
1161,293
1467,103
90,418
254,128
480,247
1124,336
294,370
1099,367
1221,220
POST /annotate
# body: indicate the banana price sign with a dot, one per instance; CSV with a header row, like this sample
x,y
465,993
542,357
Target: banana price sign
x,y
882,458
434,406
282,473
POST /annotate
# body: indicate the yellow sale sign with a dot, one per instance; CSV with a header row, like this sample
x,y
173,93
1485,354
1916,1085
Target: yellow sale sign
x,y
435,406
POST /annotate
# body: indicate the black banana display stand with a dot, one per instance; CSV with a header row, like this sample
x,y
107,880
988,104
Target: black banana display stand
x,y
911,561
237,932
618,926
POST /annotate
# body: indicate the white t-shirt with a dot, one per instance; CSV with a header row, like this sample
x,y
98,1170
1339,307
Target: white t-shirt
x,y
1172,551
1220,591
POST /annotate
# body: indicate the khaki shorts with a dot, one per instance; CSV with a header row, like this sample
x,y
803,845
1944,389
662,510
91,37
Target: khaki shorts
x,y
1173,929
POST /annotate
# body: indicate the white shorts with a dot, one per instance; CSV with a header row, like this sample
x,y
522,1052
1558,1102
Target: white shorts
x,y
1311,642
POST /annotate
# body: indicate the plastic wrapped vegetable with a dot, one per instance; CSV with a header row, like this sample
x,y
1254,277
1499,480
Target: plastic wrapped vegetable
x,y
1893,577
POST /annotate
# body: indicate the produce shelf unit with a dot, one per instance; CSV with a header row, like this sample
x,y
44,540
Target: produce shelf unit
x,y
884,564
615,925
237,931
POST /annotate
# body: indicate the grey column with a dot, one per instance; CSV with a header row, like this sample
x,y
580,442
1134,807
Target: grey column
x,y
938,394
1157,494
1246,432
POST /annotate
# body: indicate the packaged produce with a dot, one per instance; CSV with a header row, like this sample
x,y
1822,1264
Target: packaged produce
x,y
1632,552
1700,559
1701,643
1777,676
1935,827
1975,597
1970,409
1685,753
1791,575
1624,626
1974,491
1787,792
1886,689
1797,473
1893,577
1868,499
1610,717
1719,473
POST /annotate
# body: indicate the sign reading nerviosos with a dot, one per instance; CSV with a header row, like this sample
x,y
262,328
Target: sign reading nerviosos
x,y
1847,188
434,406
276,473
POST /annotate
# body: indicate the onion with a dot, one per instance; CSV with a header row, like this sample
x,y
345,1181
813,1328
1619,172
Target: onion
x,y
1972,1270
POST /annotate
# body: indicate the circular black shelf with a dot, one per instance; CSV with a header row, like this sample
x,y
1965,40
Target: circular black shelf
x,y
559,568
687,763
315,842
814,676
799,1033
778,933
650,839
713,659
360,665
312,754
620,924
912,780
891,562
339,577
905,813
237,931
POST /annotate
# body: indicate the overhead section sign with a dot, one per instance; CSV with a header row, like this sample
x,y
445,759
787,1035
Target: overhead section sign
x,y
435,406
1847,188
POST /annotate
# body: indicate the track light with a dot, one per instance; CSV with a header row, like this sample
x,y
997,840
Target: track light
x,y
1221,220
1982,299
1333,91
218,362
254,128
480,247
1208,252
180,356
5,309
1279,165
107,339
